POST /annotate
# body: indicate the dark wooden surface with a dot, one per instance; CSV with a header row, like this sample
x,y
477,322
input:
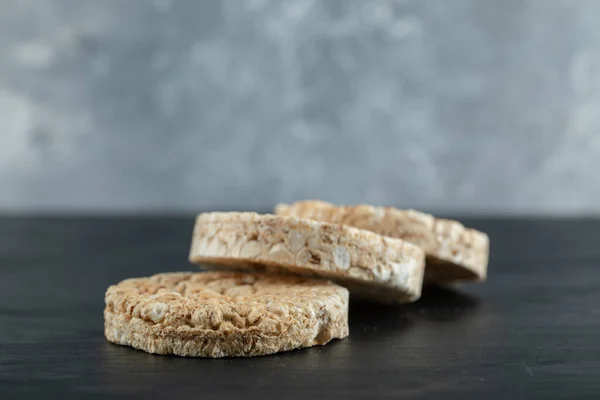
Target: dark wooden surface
x,y
531,331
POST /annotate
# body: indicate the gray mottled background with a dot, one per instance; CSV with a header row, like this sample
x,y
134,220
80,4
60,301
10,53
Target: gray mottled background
x,y
462,105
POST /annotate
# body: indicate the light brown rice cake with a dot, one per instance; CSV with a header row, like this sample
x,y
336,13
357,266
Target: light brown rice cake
x,y
370,265
224,314
454,253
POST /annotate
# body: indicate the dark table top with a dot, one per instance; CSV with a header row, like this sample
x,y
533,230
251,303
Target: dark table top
x,y
531,331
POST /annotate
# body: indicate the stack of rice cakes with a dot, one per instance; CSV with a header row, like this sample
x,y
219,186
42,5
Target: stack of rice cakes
x,y
282,282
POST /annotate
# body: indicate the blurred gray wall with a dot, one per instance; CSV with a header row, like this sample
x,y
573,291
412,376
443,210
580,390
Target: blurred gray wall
x,y
461,105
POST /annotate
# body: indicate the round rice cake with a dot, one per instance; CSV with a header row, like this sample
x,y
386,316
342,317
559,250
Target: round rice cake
x,y
224,314
454,252
370,265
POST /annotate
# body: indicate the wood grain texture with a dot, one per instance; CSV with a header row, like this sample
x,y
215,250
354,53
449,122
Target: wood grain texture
x,y
529,332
